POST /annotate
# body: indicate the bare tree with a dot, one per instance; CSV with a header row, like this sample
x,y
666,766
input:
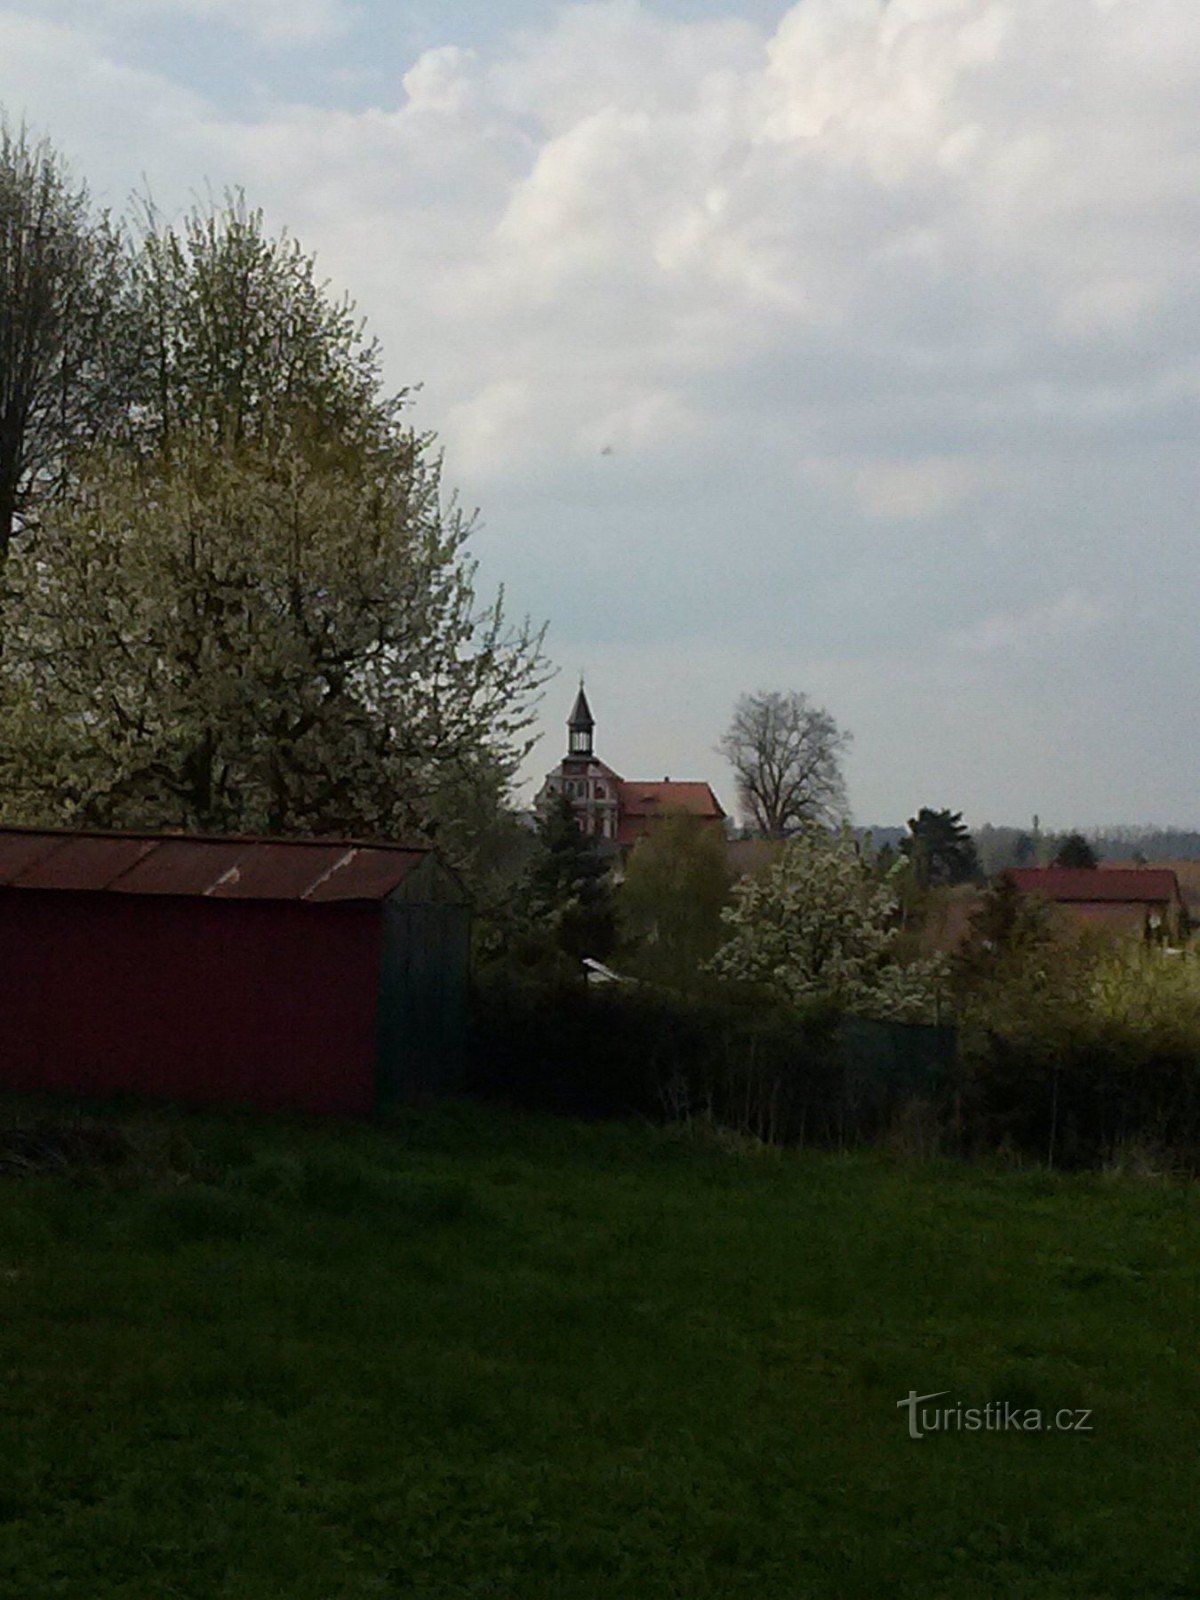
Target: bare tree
x,y
60,275
786,754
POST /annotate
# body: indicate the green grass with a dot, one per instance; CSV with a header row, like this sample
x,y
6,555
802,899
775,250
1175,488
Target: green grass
x,y
476,1355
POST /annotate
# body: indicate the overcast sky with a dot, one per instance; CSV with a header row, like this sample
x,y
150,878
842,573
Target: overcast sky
x,y
850,346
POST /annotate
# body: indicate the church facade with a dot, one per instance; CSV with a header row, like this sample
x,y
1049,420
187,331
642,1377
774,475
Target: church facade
x,y
613,810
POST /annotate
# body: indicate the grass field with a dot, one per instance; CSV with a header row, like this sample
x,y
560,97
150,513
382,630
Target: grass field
x,y
481,1355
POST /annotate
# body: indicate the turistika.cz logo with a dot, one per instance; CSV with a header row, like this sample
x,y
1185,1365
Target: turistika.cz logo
x,y
998,1416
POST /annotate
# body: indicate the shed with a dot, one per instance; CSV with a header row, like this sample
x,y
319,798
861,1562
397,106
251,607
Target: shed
x,y
324,975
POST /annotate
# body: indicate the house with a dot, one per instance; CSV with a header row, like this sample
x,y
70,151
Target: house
x,y
1188,874
1145,901
320,975
611,809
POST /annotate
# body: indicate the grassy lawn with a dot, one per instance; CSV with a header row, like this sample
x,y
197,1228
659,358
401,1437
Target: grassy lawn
x,y
479,1355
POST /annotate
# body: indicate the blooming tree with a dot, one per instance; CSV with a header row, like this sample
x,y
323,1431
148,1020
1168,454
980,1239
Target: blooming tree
x,y
820,928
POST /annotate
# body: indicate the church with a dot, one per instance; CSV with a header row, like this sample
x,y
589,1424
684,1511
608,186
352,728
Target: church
x,y
613,810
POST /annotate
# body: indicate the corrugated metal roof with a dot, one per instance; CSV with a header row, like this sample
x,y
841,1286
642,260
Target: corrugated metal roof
x,y
1128,885
229,868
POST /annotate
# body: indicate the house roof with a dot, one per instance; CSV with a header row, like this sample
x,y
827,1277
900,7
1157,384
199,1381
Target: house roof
x,y
1096,885
661,799
215,866
643,803
1187,874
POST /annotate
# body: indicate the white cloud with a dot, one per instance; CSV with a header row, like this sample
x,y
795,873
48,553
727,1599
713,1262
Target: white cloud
x,y
1071,616
904,489
892,308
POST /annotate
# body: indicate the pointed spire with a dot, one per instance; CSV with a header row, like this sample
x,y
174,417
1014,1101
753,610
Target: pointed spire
x,y
580,725
581,712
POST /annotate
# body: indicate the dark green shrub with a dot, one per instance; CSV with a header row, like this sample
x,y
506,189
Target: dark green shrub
x,y
729,1055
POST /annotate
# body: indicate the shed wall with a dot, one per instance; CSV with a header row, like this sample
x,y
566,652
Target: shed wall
x,y
423,999
265,1004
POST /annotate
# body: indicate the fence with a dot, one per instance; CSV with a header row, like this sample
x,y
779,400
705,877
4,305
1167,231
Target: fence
x,y
618,1051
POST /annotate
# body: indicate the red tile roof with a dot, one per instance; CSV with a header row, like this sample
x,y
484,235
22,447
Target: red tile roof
x,y
659,799
216,866
1093,885
642,804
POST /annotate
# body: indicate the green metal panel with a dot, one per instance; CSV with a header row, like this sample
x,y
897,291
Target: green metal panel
x,y
887,1062
421,1020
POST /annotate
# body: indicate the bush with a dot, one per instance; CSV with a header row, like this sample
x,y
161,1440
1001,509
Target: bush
x,y
1072,1053
731,1056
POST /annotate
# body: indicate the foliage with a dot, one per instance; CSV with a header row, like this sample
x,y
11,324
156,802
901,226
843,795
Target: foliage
x,y
1024,851
786,755
562,908
940,847
1075,1047
1007,928
820,929
1075,851
722,1055
234,639
669,905
256,610
1147,843
232,339
60,290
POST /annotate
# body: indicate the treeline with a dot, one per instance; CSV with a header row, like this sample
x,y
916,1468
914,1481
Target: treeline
x,y
1146,843
1000,847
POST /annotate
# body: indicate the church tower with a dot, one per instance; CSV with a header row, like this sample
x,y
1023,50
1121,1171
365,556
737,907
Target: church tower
x,y
613,812
580,726
592,787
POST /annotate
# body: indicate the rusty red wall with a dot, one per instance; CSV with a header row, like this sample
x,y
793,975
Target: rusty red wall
x,y
264,1004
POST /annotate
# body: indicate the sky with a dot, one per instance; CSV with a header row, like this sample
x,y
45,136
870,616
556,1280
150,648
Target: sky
x,y
850,347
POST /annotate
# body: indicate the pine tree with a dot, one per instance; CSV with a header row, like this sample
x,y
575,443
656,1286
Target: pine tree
x,y
1075,851
940,847
566,898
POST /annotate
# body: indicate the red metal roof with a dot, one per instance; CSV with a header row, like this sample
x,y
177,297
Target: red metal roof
x,y
219,867
1127,885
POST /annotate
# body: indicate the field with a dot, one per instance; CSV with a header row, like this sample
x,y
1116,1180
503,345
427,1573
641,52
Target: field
x,y
472,1355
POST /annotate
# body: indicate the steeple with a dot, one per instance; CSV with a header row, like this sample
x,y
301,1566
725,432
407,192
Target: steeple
x,y
580,725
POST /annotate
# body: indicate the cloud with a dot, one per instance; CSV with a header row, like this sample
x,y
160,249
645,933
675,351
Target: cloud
x,y
899,489
886,310
1071,616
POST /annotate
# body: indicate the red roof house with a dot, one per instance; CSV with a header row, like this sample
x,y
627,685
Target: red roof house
x,y
1139,900
644,804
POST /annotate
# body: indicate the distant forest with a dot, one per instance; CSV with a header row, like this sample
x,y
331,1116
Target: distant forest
x,y
1001,847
